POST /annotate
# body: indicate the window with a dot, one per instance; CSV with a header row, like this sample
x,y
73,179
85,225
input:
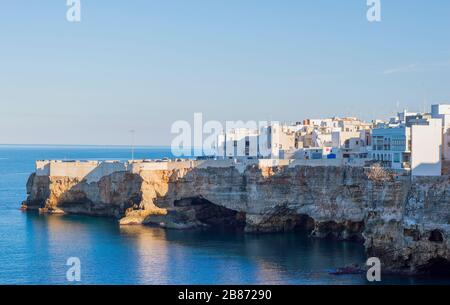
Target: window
x,y
396,157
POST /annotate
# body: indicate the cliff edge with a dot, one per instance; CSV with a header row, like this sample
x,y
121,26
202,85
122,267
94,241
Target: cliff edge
x,y
402,220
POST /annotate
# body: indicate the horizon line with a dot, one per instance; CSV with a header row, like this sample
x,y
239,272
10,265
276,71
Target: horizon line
x,y
89,145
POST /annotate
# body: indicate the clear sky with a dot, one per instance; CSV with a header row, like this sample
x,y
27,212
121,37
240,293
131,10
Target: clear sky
x,y
143,64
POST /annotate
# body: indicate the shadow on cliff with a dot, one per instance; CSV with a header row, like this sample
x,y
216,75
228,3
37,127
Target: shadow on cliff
x,y
437,266
95,195
260,200
197,212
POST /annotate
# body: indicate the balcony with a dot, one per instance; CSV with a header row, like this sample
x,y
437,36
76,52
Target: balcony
x,y
406,165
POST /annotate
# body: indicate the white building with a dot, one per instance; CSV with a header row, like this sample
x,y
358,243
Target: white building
x,y
315,153
426,142
239,142
391,147
443,112
320,139
416,144
273,141
281,140
352,144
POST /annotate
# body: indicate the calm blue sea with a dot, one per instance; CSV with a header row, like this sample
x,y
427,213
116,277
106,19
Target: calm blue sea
x,y
34,248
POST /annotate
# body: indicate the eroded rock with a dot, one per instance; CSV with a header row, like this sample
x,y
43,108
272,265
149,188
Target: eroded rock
x,y
403,221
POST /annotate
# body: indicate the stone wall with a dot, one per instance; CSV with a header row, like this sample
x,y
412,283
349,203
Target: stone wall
x,y
92,171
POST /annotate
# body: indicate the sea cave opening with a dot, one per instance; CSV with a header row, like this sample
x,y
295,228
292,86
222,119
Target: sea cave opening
x,y
436,236
437,267
300,222
214,216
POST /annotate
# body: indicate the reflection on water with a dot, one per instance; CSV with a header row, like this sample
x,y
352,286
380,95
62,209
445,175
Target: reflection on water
x,y
151,250
111,254
223,257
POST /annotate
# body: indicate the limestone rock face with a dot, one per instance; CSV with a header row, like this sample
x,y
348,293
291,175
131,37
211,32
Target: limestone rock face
x,y
111,196
403,221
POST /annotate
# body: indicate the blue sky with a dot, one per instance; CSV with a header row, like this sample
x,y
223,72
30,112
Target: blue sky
x,y
143,64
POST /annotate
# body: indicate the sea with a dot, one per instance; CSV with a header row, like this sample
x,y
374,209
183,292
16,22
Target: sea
x,y
36,249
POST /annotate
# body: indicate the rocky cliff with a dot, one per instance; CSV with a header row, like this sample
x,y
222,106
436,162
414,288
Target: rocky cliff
x,y
403,221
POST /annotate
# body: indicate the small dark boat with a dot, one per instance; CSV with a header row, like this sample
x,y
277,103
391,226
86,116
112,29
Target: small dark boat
x,y
354,269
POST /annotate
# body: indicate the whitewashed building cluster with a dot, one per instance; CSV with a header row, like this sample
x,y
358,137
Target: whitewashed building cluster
x,y
419,142
410,141
311,139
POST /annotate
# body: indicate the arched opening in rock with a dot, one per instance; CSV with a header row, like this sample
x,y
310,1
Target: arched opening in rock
x,y
329,229
285,221
353,231
301,222
436,267
436,236
348,230
210,214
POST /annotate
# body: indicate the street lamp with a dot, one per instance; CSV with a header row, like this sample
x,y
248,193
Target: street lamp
x,y
132,145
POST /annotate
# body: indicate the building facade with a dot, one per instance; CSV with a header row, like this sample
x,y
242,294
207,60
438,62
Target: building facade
x,y
391,147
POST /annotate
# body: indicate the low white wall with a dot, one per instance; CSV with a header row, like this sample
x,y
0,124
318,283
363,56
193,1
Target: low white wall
x,y
317,162
105,169
42,168
273,162
136,167
92,171
75,169
213,163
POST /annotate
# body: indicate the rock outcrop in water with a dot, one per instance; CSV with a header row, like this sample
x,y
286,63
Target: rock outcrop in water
x,y
403,221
